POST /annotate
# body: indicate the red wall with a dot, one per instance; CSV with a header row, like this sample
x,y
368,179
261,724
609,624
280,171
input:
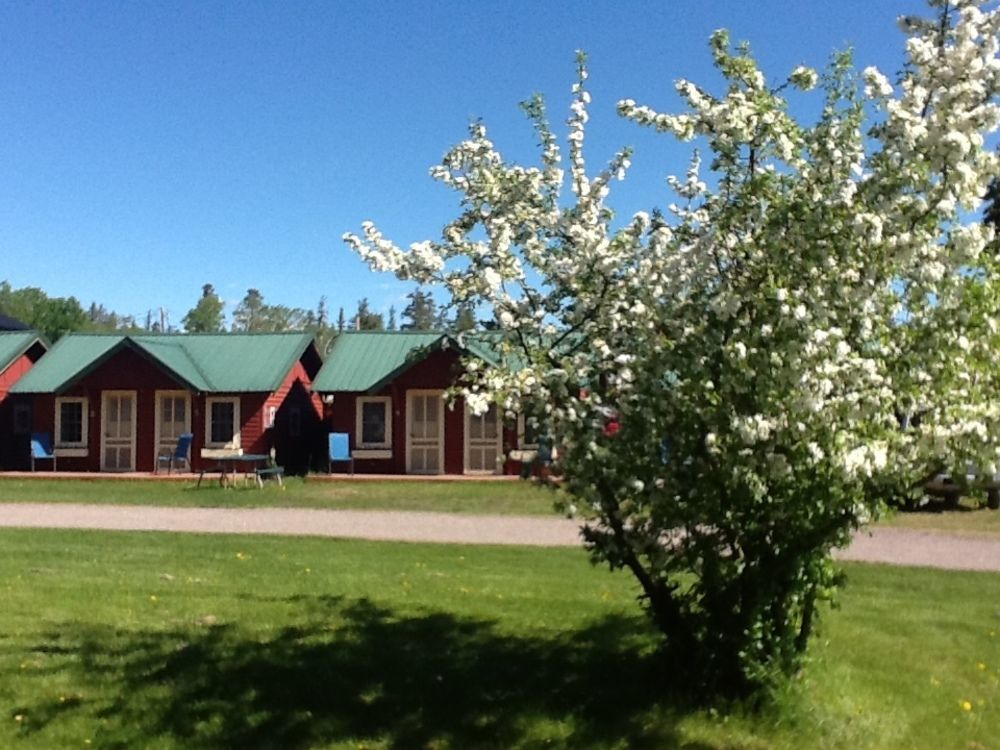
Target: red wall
x,y
13,373
437,372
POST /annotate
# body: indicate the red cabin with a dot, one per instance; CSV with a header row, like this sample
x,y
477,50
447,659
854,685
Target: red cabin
x,y
387,391
118,402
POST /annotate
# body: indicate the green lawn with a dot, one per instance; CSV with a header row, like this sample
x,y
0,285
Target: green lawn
x,y
183,641
968,518
505,497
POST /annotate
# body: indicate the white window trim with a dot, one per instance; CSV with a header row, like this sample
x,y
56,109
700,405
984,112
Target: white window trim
x,y
234,442
85,416
159,448
359,423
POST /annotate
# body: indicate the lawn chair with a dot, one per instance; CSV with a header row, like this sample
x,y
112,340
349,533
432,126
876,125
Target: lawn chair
x,y
181,453
41,449
340,450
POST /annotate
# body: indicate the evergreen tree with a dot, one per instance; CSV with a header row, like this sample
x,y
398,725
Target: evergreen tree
x,y
366,320
207,316
249,314
465,318
391,325
322,313
421,313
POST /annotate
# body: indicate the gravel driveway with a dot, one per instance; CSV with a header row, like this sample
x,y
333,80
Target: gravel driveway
x,y
883,545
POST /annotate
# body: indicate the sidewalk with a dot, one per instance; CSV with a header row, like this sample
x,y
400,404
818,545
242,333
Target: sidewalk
x,y
881,545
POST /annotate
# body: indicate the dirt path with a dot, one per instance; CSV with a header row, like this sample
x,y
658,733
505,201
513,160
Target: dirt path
x,y
885,545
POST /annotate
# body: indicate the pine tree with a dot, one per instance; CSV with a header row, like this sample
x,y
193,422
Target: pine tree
x,y
207,315
421,313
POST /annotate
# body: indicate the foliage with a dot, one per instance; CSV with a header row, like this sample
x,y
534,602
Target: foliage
x,y
366,320
102,319
247,315
253,315
465,318
726,377
52,316
421,312
207,316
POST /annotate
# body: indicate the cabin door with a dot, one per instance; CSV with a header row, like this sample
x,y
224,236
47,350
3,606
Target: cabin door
x,y
173,419
482,441
425,432
118,431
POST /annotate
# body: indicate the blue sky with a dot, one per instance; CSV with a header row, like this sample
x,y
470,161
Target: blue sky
x,y
148,148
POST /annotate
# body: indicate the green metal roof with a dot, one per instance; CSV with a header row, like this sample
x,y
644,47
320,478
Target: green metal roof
x,y
362,360
220,363
15,343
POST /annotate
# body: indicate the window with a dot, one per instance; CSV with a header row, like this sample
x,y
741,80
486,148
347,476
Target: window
x,y
374,422
71,422
222,422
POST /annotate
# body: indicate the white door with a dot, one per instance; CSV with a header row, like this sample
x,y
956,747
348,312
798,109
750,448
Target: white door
x,y
173,419
483,447
118,431
425,432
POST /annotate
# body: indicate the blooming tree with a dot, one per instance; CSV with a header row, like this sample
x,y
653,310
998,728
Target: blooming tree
x,y
727,377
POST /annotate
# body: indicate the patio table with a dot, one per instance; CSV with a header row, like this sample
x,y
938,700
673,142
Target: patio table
x,y
228,464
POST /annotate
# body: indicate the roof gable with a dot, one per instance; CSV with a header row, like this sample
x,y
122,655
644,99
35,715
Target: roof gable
x,y
13,344
220,363
365,360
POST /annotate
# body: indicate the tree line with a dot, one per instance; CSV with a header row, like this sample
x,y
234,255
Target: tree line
x,y
57,316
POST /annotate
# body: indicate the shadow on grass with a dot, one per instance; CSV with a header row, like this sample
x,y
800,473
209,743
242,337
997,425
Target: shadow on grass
x,y
351,670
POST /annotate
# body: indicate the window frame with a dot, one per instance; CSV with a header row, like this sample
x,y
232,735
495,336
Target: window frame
x,y
359,408
84,404
234,441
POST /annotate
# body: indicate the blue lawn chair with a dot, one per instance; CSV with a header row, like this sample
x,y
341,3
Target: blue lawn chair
x,y
41,449
340,450
181,453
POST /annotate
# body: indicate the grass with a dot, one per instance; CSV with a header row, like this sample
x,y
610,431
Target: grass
x,y
967,518
500,497
120,640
